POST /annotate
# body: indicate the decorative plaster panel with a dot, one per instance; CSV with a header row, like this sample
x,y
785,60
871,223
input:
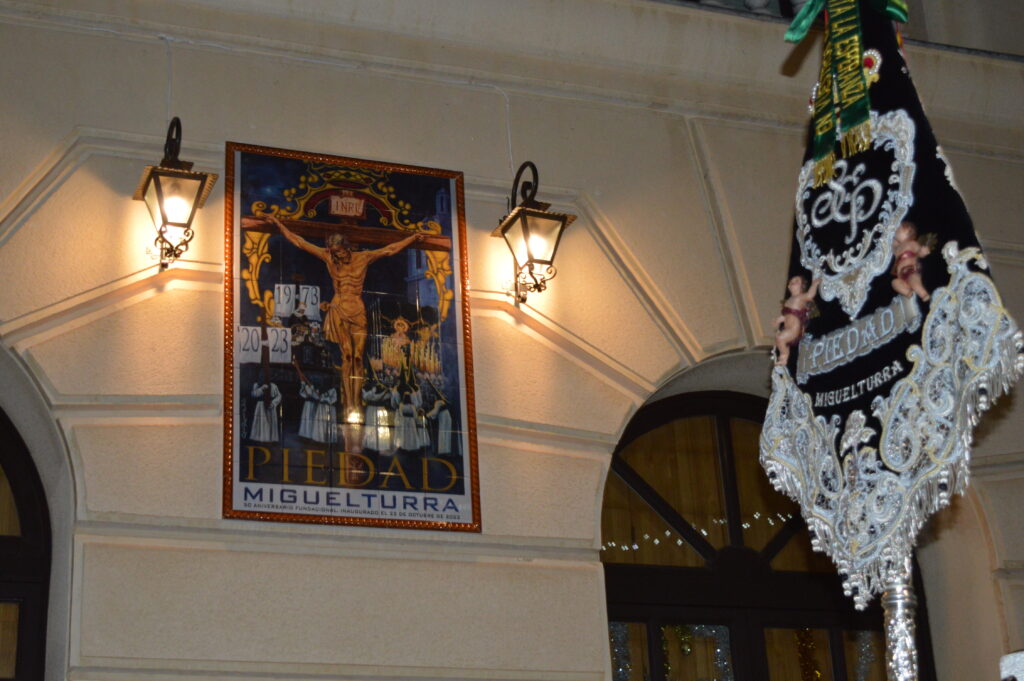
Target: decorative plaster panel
x,y
354,112
544,495
645,179
55,81
167,471
196,608
1014,597
1004,507
589,305
992,189
754,171
86,227
590,298
519,378
169,344
996,28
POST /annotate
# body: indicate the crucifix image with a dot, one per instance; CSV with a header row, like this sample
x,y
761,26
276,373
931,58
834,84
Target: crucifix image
x,y
345,322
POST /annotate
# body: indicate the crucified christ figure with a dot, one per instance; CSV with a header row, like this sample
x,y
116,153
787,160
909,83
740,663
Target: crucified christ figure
x,y
345,321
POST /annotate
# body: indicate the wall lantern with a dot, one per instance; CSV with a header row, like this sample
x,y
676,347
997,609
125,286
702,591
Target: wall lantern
x,y
532,233
173,194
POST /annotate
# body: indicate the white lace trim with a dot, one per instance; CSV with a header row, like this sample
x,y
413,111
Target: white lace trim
x,y
941,155
864,502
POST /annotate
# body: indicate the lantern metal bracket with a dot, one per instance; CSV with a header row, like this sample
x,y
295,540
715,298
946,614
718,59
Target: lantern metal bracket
x,y
532,275
173,167
172,147
528,191
530,280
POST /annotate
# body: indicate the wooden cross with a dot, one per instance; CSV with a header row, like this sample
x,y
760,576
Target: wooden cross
x,y
371,236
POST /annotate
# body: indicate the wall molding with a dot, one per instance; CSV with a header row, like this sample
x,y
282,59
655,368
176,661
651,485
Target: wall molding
x,y
116,669
340,541
52,320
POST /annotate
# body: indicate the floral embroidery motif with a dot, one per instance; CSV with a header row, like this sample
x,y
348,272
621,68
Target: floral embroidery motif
x,y
866,494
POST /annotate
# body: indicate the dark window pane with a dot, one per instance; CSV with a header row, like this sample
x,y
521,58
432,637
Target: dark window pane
x,y
798,555
865,655
631,532
9,524
629,651
762,509
680,461
697,652
8,639
796,654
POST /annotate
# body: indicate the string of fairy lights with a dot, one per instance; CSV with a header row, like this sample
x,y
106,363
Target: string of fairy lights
x,y
668,538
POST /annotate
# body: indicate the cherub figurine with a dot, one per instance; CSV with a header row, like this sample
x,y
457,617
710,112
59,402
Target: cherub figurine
x,y
795,312
906,270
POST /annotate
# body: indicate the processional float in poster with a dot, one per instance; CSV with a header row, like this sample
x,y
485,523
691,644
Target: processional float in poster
x,y
892,338
348,366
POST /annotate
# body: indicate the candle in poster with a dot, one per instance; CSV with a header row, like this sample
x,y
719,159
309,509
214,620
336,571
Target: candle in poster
x,y
348,371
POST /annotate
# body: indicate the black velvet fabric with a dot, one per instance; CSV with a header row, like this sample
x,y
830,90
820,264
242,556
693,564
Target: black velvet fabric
x,y
936,209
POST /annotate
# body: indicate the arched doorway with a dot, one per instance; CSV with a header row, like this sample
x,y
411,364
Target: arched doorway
x,y
709,572
24,560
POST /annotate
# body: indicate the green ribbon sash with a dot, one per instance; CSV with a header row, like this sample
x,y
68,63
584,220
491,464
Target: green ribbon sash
x,y
895,9
842,109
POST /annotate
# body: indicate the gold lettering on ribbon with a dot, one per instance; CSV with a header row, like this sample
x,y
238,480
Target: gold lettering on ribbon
x,y
851,82
850,87
823,102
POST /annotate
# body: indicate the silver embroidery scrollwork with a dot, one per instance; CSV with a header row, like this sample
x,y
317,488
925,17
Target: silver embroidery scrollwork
x,y
866,496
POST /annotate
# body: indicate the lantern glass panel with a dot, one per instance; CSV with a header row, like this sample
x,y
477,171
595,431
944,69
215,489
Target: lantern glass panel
x,y
180,193
153,202
516,240
543,236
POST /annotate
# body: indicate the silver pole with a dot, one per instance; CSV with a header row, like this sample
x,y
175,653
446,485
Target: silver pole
x,y
899,604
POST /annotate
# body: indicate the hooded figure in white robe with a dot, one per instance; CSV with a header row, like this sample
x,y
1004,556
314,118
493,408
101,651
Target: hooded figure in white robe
x,y
422,430
325,428
443,417
406,436
377,429
310,406
264,418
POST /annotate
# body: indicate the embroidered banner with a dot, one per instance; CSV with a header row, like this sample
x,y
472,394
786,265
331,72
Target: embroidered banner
x,y
893,329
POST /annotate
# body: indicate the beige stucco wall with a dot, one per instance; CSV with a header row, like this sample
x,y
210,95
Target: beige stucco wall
x,y
994,26
674,133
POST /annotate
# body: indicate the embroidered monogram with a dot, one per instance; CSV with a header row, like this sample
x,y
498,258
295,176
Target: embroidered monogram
x,y
870,212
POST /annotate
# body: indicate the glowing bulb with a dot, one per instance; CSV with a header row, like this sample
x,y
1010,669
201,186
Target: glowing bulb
x,y
177,209
538,246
